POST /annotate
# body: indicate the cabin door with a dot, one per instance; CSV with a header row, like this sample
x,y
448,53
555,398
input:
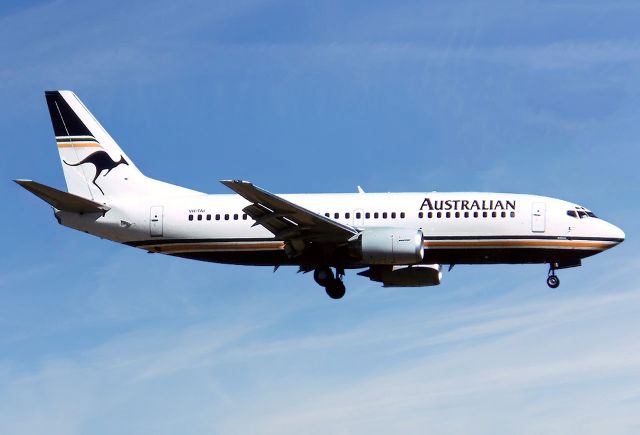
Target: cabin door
x,y
538,217
155,221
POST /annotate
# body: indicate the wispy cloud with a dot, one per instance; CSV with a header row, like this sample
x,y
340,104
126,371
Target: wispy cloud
x,y
433,367
150,43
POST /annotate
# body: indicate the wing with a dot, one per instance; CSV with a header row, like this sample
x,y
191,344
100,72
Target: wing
x,y
286,220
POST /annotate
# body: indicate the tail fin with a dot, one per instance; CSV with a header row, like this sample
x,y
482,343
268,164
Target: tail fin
x,y
94,165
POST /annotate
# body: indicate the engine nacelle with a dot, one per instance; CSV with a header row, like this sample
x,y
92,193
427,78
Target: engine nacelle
x,y
421,275
389,246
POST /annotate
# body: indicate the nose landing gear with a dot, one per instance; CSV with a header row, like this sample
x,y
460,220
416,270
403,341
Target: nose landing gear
x,y
552,280
333,285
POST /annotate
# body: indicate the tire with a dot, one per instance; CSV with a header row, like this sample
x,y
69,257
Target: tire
x,y
336,289
323,276
553,281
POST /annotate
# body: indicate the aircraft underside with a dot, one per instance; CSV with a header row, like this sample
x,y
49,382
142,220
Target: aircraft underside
x,y
441,256
270,252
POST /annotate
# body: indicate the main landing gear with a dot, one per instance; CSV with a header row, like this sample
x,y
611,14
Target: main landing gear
x,y
552,280
333,285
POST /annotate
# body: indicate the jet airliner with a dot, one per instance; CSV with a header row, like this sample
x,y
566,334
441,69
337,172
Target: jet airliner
x,y
397,239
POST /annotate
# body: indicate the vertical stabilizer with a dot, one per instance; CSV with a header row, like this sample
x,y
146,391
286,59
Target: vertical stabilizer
x,y
94,165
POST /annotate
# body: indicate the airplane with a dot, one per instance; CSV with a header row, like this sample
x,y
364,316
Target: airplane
x,y
399,239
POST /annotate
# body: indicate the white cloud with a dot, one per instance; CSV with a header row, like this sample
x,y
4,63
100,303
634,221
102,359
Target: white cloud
x,y
448,367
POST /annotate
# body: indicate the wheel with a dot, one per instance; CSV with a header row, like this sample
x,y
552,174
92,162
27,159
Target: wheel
x,y
323,276
336,289
553,281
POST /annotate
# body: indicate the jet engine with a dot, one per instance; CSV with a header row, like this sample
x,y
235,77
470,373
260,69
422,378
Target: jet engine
x,y
388,246
421,275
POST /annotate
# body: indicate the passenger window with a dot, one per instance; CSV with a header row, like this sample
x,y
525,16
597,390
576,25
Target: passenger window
x,y
375,215
475,214
347,215
217,217
493,214
504,214
439,215
358,215
430,215
244,216
235,217
393,215
457,214
384,215
420,215
190,217
513,214
226,217
448,214
466,214
401,215
367,215
327,214
484,214
336,215
199,217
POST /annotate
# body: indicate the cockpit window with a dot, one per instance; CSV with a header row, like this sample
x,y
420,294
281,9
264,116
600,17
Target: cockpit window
x,y
580,213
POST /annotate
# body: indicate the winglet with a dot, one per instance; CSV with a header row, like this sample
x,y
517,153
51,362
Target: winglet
x,y
62,200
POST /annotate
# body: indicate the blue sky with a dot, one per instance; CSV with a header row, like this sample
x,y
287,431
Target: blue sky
x,y
531,97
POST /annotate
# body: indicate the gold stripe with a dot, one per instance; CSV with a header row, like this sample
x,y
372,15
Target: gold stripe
x,y
224,246
517,244
79,145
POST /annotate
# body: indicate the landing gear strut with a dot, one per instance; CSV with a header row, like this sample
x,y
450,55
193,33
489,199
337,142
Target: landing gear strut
x,y
333,285
552,280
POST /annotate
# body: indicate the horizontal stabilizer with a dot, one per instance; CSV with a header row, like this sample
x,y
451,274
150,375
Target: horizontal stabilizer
x,y
62,200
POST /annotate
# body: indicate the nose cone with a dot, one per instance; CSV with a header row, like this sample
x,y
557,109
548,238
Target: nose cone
x,y
619,234
615,233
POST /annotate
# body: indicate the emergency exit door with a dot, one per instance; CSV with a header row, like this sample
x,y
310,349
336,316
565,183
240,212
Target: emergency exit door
x,y
155,221
538,217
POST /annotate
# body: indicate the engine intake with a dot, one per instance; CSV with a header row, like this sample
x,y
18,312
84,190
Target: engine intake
x,y
388,246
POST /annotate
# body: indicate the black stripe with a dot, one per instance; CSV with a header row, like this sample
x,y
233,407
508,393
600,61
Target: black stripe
x,y
64,119
180,241
453,256
532,237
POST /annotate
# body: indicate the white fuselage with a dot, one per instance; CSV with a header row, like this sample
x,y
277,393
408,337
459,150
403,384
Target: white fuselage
x,y
464,227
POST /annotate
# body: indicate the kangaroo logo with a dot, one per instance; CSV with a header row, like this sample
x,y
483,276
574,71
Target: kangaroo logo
x,y
102,162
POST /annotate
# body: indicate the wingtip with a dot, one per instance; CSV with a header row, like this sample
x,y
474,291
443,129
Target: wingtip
x,y
231,182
